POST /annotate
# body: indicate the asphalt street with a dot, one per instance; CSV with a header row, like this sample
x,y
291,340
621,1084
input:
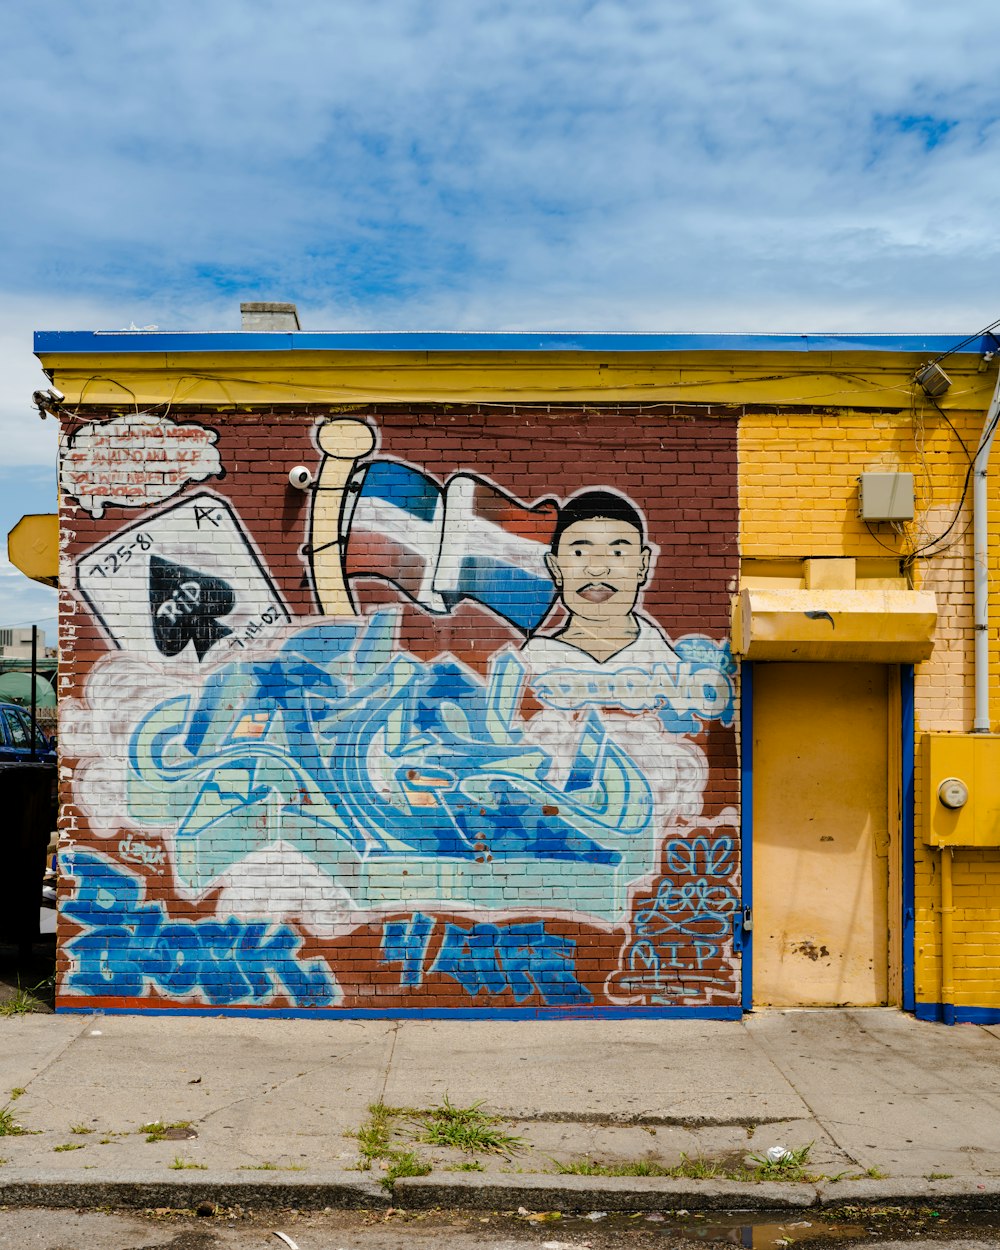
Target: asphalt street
x,y
338,1230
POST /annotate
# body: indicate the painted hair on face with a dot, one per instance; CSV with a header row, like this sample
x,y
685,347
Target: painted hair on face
x,y
596,503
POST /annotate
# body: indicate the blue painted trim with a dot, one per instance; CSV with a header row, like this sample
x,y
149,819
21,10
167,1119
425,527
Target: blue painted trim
x,y
936,1013
108,341
908,834
746,823
418,1013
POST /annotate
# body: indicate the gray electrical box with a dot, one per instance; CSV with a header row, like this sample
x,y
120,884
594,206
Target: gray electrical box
x,y
885,496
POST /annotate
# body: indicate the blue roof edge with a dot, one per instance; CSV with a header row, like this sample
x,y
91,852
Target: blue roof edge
x,y
108,341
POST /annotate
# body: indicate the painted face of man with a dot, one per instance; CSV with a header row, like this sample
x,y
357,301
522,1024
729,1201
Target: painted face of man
x,y
598,568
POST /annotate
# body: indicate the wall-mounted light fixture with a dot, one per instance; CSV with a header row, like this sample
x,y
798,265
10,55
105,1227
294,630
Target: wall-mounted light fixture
x,y
932,380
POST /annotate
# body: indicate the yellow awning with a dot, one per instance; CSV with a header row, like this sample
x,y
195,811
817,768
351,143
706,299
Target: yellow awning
x,y
887,626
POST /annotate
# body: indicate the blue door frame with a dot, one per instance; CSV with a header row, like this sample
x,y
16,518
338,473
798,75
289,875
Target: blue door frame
x,y
744,934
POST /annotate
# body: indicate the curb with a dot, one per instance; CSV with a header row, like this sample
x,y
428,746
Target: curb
x,y
69,1189
974,1194
605,1193
538,1192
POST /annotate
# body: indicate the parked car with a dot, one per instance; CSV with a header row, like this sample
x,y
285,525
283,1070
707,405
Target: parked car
x,y
15,737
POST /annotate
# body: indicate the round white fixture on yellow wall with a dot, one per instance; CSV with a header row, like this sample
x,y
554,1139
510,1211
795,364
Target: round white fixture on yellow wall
x,y
953,792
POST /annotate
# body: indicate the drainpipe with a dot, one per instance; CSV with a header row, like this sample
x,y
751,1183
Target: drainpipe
x,y
981,603
981,677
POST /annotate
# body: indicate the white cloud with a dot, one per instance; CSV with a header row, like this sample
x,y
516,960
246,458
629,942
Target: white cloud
x,y
474,163
478,164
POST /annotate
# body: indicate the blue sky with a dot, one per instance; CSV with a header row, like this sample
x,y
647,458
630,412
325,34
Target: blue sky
x,y
482,164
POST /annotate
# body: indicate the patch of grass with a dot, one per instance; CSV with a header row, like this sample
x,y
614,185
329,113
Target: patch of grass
x,y
24,1001
471,1165
16,1092
696,1168
179,1165
373,1135
630,1167
375,1143
156,1130
266,1166
404,1163
466,1128
791,1167
9,1127
80,1129
875,1174
70,1145
939,1176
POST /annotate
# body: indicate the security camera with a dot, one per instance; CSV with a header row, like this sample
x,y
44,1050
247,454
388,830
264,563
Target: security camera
x,y
47,401
300,477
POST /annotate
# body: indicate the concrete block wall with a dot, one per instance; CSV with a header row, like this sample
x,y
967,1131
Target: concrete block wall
x,y
322,751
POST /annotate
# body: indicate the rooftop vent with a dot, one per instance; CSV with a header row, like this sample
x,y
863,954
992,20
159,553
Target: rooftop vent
x,y
269,317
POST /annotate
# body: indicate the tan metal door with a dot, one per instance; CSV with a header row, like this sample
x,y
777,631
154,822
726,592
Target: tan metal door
x,y
820,834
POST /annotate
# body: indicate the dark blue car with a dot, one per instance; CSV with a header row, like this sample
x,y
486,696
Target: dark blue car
x,y
15,737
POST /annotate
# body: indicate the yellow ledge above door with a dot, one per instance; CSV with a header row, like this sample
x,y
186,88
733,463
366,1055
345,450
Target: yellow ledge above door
x,y
884,626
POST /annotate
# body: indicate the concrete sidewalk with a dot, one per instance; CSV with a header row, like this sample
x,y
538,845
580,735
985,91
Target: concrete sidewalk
x,y
895,1109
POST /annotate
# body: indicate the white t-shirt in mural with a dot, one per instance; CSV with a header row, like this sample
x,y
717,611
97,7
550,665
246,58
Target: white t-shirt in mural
x,y
572,685
649,647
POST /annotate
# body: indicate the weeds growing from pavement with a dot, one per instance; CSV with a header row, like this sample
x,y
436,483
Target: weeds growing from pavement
x,y
80,1129
267,1166
9,1127
375,1143
404,1163
23,1002
630,1167
698,1168
790,1167
466,1128
70,1145
156,1130
179,1165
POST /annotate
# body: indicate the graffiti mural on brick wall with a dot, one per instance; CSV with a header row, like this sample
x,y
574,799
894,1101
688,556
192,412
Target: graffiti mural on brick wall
x,y
322,808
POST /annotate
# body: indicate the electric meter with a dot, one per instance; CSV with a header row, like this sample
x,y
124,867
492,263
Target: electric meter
x,y
953,793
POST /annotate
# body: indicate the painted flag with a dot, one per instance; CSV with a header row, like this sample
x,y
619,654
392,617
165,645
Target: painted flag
x,y
395,529
468,541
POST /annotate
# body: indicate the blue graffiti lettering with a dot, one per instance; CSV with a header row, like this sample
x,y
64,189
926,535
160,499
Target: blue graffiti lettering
x,y
679,937
523,958
128,944
694,688
405,942
356,754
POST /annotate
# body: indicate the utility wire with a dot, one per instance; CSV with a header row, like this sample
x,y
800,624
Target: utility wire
x,y
965,342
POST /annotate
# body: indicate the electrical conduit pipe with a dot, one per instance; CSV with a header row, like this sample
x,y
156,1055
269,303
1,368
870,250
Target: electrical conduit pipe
x,y
981,540
981,679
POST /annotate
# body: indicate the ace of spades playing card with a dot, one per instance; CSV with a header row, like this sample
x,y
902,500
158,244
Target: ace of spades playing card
x,y
184,584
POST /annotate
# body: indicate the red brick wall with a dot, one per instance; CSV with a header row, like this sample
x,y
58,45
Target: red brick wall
x,y
265,814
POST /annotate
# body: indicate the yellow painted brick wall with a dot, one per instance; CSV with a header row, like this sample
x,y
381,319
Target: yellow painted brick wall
x,y
798,498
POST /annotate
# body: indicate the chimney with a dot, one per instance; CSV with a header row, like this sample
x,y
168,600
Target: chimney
x,y
269,317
